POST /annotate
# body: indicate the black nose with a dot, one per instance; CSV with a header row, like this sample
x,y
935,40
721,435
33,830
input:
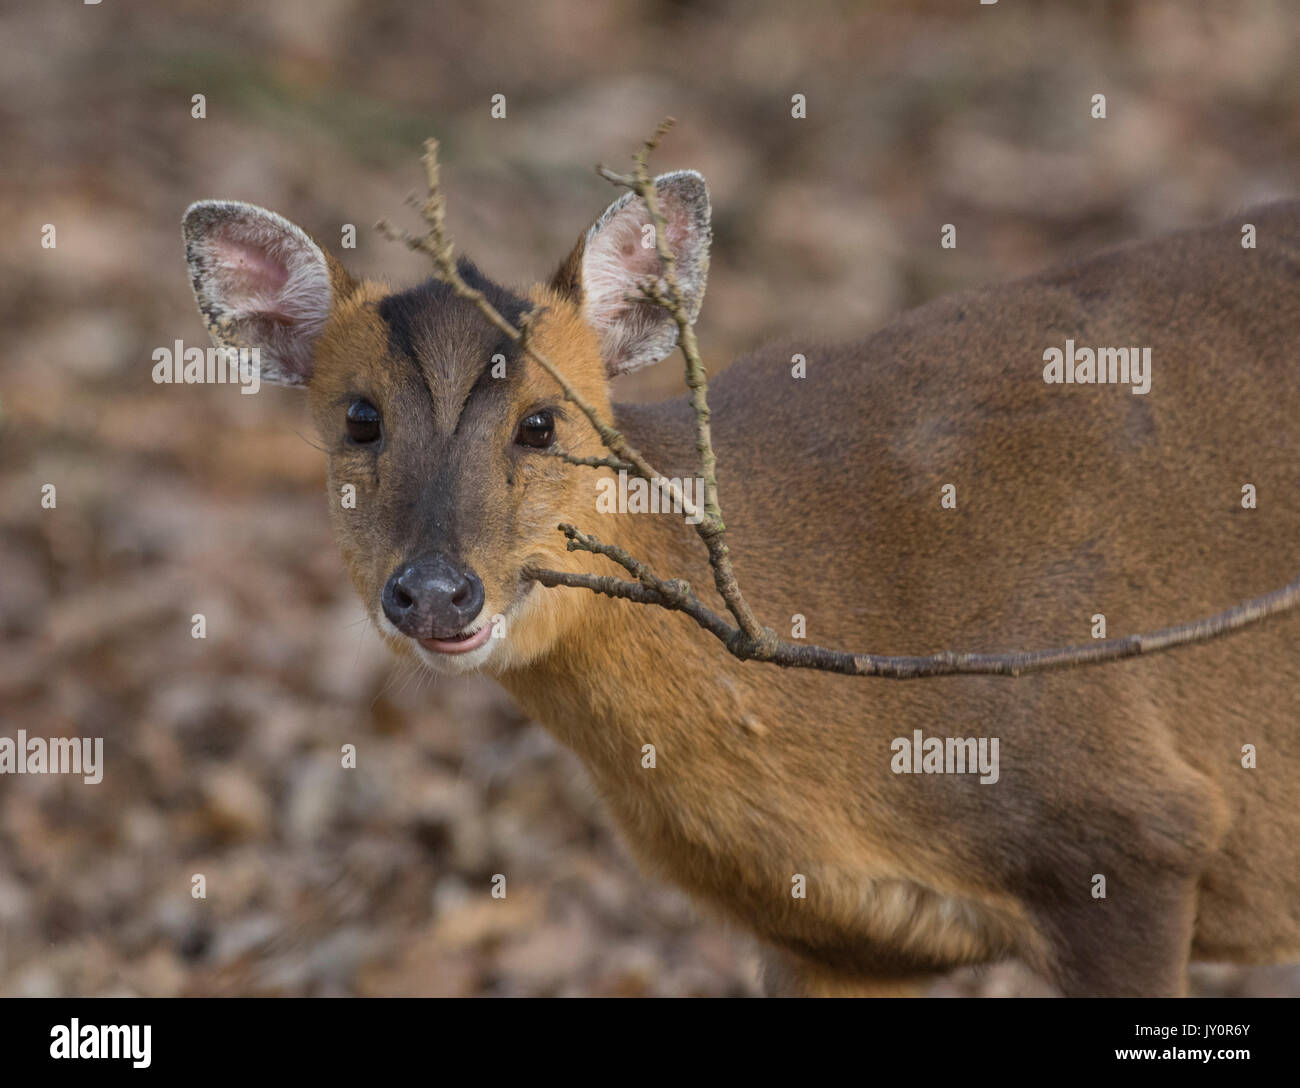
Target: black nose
x,y
431,597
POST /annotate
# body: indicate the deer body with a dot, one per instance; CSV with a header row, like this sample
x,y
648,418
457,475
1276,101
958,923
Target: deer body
x,y
1071,500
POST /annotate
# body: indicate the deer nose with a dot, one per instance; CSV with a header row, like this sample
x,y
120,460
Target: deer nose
x,y
431,597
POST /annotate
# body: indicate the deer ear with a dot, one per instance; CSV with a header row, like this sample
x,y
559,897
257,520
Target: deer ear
x,y
260,282
618,253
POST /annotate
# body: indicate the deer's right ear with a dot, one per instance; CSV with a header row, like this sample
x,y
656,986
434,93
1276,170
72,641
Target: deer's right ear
x,y
260,282
611,262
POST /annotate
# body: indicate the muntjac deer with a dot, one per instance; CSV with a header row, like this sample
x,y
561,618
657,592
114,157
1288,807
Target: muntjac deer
x,y
988,472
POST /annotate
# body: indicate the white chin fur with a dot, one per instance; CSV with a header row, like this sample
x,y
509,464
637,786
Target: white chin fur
x,y
447,664
457,663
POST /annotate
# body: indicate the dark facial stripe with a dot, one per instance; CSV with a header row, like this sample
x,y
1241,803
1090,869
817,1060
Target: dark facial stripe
x,y
448,342
409,312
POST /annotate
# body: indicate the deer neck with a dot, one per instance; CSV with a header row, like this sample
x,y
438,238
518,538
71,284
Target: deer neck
x,y
600,686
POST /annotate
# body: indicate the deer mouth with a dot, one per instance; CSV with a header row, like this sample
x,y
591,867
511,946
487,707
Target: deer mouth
x,y
459,644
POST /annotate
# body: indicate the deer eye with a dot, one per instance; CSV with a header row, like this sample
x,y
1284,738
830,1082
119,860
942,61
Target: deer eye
x,y
536,431
363,422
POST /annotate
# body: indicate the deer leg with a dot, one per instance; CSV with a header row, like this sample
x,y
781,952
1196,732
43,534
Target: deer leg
x,y
1135,942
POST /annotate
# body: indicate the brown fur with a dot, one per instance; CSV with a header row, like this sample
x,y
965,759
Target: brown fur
x,y
1072,500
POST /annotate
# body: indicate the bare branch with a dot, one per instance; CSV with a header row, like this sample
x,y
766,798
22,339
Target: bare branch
x,y
946,662
648,588
590,462
711,529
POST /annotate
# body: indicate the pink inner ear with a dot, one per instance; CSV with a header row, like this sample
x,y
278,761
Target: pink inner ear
x,y
678,226
254,278
616,263
644,263
640,263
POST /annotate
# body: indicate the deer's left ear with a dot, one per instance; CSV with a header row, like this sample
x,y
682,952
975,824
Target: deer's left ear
x,y
618,253
261,282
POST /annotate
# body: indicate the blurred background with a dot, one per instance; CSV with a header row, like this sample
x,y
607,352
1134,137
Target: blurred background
x,y
222,754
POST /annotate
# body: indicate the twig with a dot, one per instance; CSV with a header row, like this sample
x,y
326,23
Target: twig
x,y
945,662
711,529
590,462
